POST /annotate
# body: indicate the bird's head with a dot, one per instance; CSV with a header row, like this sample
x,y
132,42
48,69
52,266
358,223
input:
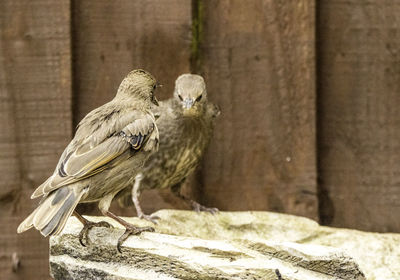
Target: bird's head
x,y
190,92
139,86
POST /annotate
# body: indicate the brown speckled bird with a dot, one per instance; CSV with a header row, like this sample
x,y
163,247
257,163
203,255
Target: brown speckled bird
x,y
185,122
110,146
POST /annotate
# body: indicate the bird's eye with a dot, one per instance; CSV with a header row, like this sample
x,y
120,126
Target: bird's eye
x,y
180,97
199,98
154,86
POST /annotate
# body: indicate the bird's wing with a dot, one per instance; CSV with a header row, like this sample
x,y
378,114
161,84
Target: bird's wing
x,y
213,110
160,109
89,157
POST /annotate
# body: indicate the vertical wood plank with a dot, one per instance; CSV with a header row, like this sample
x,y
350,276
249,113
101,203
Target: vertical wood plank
x,y
113,37
258,58
359,119
35,119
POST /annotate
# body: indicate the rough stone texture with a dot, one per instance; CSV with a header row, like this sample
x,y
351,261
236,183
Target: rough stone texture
x,y
230,245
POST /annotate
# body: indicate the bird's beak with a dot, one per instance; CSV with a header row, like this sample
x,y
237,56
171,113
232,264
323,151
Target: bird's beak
x,y
154,100
187,103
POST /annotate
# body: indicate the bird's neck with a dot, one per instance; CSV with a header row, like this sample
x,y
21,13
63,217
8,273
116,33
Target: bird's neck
x,y
129,101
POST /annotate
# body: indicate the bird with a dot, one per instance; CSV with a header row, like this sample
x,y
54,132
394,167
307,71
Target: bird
x,y
110,146
185,122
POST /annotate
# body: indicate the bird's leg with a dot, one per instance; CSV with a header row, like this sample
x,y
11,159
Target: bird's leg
x,y
129,228
176,189
87,225
135,199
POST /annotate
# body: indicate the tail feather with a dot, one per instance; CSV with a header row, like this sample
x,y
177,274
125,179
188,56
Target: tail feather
x,y
57,222
40,190
50,206
52,214
27,223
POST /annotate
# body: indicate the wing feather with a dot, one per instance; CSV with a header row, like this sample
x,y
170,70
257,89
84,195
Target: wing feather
x,y
85,159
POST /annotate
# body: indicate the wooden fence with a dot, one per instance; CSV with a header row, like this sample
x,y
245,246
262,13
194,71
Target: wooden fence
x,y
309,90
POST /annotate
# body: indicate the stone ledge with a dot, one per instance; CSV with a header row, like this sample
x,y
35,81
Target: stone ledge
x,y
230,245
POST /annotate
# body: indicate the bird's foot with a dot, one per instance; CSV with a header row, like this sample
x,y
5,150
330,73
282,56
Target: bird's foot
x,y
149,218
200,208
131,230
84,234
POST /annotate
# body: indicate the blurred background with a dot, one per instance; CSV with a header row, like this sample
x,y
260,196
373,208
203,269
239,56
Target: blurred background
x,y
309,92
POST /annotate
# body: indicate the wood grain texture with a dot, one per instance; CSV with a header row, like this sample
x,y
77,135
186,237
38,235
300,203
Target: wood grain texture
x,y
359,119
258,61
113,37
35,119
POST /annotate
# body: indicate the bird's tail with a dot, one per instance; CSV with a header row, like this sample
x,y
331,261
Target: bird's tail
x,y
53,211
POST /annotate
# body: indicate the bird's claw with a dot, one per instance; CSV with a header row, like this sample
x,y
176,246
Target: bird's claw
x,y
149,218
211,210
84,234
132,230
200,208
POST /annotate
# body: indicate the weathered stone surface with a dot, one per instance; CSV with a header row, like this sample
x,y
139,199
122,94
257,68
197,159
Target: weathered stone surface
x,y
230,245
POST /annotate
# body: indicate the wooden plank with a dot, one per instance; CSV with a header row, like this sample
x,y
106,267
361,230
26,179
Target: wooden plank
x,y
258,59
35,118
359,120
113,37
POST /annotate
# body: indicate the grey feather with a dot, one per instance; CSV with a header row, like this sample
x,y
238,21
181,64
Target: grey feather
x,y
60,194
56,219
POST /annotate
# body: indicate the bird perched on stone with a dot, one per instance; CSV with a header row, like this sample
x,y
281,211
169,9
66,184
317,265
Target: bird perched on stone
x,y
185,122
110,146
